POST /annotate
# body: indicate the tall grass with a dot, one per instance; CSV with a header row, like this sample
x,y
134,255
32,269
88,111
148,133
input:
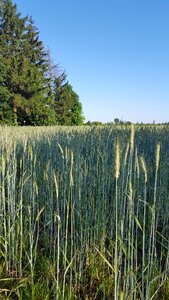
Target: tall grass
x,y
84,212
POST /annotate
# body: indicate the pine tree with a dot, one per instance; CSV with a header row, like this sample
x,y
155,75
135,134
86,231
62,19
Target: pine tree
x,y
24,55
6,114
30,94
11,27
39,90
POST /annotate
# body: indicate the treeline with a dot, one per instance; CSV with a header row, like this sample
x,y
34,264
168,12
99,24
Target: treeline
x,y
115,122
32,90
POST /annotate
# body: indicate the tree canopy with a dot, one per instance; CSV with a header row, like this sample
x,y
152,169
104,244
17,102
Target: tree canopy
x,y
67,105
30,94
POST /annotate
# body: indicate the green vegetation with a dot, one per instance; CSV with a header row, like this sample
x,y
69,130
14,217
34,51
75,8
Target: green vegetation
x,y
28,93
84,212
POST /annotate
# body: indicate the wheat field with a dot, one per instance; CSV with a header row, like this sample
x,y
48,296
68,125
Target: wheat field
x,y
84,212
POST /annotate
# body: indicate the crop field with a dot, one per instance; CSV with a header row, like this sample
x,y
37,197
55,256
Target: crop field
x,y
84,213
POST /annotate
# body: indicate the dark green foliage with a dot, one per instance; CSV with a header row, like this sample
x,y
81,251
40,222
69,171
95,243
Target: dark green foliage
x,y
6,114
94,123
26,81
67,105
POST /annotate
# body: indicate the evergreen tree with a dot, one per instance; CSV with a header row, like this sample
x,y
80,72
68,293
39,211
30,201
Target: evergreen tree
x,y
30,91
11,27
36,84
6,114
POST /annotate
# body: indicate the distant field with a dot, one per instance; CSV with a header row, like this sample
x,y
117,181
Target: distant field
x,y
84,212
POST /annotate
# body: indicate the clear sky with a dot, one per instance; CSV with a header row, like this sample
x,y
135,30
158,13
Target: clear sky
x,y
115,53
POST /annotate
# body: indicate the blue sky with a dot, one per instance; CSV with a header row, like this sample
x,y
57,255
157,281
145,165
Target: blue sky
x,y
115,53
